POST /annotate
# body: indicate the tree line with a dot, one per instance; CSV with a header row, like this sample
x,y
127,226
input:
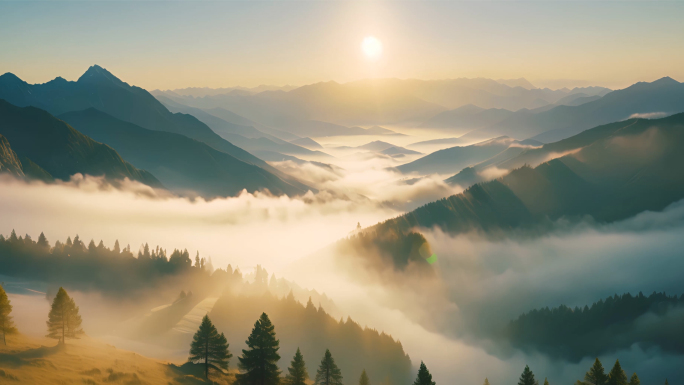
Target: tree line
x,y
258,364
606,325
64,320
596,375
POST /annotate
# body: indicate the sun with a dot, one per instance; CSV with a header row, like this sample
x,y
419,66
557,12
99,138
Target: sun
x,y
371,47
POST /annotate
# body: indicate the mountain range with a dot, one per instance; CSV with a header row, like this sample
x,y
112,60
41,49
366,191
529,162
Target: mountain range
x,y
99,89
615,171
656,99
183,165
37,145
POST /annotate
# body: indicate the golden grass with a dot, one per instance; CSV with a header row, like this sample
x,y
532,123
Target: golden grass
x,y
27,360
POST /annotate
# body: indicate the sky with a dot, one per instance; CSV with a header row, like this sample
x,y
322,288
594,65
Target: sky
x,y
167,45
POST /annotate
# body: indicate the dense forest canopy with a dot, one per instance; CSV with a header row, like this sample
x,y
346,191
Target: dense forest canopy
x,y
608,325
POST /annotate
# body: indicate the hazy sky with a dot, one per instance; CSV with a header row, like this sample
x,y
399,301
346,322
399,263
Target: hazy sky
x,y
220,44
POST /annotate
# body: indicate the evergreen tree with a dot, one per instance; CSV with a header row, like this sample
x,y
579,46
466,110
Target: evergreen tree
x,y
617,376
634,380
328,372
486,381
527,377
42,241
424,377
363,380
6,324
666,383
259,362
596,375
63,319
546,381
209,347
297,374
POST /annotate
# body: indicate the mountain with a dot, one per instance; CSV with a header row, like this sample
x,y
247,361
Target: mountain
x,y
245,137
375,146
623,169
9,161
664,96
396,150
308,143
184,165
454,159
520,82
58,149
373,102
99,89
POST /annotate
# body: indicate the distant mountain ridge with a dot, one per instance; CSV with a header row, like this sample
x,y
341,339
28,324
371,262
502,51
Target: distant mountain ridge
x,y
48,145
620,170
99,89
184,165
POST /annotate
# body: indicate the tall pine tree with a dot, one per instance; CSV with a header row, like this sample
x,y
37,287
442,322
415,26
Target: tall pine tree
x,y
527,377
297,374
6,323
209,347
546,381
634,380
259,362
486,381
424,377
328,373
63,319
363,380
617,376
596,374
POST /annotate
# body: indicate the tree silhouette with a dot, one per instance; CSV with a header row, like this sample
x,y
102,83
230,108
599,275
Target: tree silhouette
x,y
634,380
617,376
209,347
363,380
527,377
546,381
259,362
328,372
6,323
297,374
63,319
486,381
596,374
424,377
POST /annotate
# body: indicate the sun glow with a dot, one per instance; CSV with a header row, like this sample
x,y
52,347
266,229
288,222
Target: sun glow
x,y
371,47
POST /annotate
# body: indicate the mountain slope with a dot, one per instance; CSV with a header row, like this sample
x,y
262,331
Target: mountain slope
x,y
9,161
61,150
99,89
454,159
620,173
664,96
183,164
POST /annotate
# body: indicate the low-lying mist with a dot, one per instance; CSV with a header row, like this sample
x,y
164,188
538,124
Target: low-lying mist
x,y
444,318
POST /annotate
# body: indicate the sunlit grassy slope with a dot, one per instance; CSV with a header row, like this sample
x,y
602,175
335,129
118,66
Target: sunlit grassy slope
x,y
27,360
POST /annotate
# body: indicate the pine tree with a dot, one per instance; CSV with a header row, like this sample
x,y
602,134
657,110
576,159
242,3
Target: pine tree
x,y
297,374
546,381
63,319
634,380
486,381
6,324
364,378
328,372
209,347
259,362
666,383
424,377
42,241
617,376
596,374
527,377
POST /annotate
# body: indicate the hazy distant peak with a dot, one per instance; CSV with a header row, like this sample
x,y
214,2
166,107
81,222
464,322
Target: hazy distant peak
x,y
469,108
99,75
9,78
519,82
665,81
